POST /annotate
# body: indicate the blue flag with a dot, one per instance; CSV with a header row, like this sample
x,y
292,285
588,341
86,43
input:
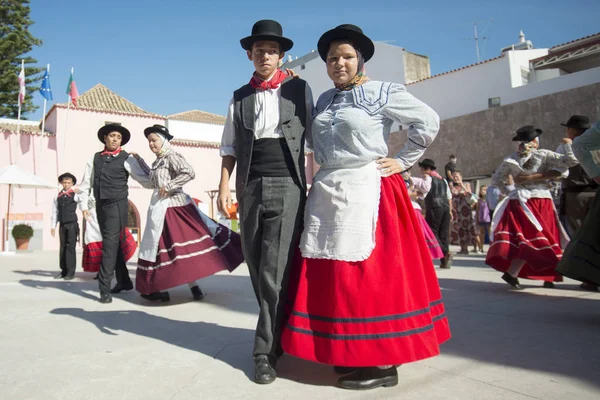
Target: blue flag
x,y
45,90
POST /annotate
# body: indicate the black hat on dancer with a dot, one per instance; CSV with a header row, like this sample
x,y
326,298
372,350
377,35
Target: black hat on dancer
x,y
264,30
163,130
67,175
578,121
352,33
427,163
527,134
106,129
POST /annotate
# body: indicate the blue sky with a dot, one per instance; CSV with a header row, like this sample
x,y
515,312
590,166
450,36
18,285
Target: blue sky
x,y
176,55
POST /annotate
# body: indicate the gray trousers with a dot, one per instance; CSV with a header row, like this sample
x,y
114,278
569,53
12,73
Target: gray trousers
x,y
271,216
576,207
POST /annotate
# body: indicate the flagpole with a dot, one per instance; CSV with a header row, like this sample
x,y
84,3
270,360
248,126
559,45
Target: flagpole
x,y
41,137
45,102
19,114
66,122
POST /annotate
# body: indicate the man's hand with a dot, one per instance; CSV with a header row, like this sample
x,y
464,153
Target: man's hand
x,y
87,215
53,232
566,141
290,72
224,200
388,166
75,190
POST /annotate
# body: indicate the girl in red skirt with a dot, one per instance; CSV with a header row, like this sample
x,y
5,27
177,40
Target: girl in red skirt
x,y
527,236
366,296
180,244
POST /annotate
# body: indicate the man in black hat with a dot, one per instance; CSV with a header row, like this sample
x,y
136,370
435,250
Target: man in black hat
x,y
578,189
267,124
106,176
438,206
64,209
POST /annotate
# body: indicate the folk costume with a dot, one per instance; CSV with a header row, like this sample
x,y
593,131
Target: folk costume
x,y
64,209
577,188
437,208
106,176
362,237
581,260
527,236
92,241
180,244
266,128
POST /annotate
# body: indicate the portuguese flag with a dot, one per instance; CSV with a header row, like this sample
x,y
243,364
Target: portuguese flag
x,y
72,89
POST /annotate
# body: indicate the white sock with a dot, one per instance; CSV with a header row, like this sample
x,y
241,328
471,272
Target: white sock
x,y
515,267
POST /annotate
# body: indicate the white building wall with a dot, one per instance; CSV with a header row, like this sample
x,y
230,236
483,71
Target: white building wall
x,y
519,60
464,91
195,130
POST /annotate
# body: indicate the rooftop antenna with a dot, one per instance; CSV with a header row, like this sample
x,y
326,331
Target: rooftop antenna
x,y
477,36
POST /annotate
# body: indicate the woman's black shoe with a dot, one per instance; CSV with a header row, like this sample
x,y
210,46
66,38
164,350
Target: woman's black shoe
x,y
549,285
197,293
369,378
344,370
157,296
514,282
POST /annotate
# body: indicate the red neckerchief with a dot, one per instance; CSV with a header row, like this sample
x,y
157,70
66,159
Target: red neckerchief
x,y
69,193
107,152
273,83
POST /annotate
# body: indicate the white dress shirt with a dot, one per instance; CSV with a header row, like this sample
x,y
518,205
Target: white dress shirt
x,y
135,169
266,123
423,185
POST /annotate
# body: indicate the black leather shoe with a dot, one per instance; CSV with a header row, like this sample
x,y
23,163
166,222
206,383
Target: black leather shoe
x,y
369,378
157,296
59,276
446,261
197,293
69,278
514,282
589,286
549,285
344,370
105,298
96,277
264,373
120,288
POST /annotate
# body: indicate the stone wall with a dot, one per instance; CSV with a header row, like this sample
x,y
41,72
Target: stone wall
x,y
482,140
416,67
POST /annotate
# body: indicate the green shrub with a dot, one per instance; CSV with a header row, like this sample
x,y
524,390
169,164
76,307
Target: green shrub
x,y
22,231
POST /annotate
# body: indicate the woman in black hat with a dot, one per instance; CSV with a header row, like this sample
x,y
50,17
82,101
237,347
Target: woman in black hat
x,y
527,236
180,244
106,176
362,241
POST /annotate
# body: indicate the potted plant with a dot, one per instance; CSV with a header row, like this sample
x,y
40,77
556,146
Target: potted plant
x,y
22,233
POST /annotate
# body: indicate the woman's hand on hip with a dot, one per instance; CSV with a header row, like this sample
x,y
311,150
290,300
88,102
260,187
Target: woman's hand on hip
x,y
389,166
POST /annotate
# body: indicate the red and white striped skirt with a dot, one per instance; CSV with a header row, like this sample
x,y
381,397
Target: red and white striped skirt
x,y
516,237
92,252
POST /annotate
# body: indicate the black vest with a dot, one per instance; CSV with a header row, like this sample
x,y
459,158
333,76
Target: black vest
x,y
292,118
66,209
438,195
578,181
110,177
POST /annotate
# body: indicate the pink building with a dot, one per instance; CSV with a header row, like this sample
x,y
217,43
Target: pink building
x,y
70,141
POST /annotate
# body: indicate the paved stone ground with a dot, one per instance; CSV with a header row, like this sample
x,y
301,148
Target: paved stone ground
x,y
58,342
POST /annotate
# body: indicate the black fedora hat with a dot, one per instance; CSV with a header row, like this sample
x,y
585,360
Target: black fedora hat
x,y
527,134
578,121
106,129
267,29
427,163
163,130
67,175
348,32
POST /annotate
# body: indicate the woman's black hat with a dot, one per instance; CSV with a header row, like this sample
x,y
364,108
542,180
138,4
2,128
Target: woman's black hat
x,y
348,32
163,130
527,134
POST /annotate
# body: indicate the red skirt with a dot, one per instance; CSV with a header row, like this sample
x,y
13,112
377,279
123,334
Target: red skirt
x,y
92,252
516,237
385,310
187,251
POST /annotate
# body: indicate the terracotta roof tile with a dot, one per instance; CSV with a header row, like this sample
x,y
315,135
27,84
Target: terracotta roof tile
x,y
101,98
195,143
576,40
199,116
24,129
